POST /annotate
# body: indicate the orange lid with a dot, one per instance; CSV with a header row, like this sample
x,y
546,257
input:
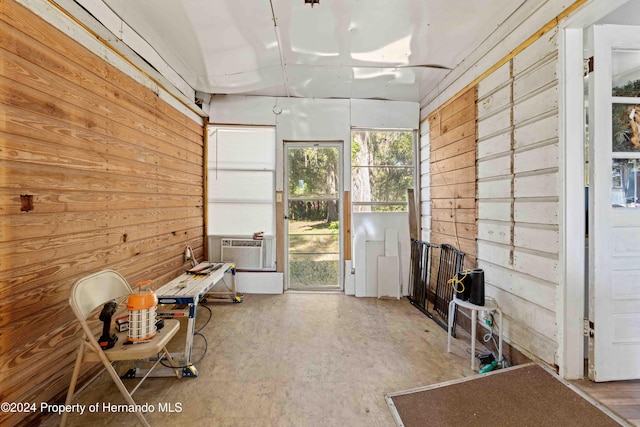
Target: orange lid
x,y
142,301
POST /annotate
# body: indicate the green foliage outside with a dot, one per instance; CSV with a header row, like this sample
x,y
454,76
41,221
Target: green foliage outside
x,y
630,89
382,167
310,273
313,173
314,249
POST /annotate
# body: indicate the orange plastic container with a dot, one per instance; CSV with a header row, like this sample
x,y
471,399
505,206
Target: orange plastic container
x,y
142,314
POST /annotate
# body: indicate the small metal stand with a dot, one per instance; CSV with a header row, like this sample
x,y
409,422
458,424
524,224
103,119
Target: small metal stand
x,y
490,305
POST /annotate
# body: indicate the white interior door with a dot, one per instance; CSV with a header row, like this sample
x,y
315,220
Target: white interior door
x,y
614,219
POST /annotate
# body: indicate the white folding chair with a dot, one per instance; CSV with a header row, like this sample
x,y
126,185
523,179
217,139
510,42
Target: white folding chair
x,y
91,292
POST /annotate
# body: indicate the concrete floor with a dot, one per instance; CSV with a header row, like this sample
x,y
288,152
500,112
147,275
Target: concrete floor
x,y
297,359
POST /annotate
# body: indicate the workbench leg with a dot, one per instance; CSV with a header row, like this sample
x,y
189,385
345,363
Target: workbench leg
x,y
233,283
189,370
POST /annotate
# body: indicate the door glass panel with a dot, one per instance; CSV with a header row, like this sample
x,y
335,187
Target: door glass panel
x,y
625,114
625,119
313,172
314,249
625,67
625,190
314,218
625,128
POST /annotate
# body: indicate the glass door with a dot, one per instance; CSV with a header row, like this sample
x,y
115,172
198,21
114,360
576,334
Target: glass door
x,y
313,216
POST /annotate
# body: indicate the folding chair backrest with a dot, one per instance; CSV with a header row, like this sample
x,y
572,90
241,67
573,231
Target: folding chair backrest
x,y
94,290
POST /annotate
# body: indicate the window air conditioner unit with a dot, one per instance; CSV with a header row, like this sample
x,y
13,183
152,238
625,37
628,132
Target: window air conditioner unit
x,y
244,253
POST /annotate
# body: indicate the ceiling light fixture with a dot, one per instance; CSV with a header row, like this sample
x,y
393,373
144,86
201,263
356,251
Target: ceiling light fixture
x,y
312,2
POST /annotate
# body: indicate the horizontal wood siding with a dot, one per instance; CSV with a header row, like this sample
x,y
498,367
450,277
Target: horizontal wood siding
x,y
518,233
452,178
116,177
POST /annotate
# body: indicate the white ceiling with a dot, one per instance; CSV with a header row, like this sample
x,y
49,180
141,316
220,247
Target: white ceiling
x,y
337,49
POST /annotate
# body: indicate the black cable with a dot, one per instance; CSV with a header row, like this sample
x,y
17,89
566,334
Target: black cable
x,y
208,320
206,343
206,347
469,352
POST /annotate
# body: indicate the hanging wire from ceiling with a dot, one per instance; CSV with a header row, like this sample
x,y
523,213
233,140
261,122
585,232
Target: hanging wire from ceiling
x,y
279,42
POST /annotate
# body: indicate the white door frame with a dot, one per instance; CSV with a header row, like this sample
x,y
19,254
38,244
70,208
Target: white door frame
x,y
285,190
571,295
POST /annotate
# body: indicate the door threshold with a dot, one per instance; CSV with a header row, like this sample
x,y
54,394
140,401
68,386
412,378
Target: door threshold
x,y
314,291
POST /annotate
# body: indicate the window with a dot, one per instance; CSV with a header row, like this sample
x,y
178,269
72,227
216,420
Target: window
x,y
625,120
241,168
382,169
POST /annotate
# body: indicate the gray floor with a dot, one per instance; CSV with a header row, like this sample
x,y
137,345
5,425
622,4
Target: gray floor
x,y
297,359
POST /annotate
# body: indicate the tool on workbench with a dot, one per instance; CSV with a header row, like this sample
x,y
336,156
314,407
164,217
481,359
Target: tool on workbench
x,y
107,339
142,313
189,256
205,268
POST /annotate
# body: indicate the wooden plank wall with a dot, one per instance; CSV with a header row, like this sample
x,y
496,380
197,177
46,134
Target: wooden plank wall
x,y
116,178
518,195
452,135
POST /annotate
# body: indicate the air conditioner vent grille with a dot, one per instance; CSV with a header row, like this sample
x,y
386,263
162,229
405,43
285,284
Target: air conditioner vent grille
x,y
245,253
239,243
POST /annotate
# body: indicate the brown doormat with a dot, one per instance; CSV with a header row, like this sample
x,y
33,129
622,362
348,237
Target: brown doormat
x,y
525,395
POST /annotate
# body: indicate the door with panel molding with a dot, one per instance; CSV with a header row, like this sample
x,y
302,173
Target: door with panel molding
x,y
614,205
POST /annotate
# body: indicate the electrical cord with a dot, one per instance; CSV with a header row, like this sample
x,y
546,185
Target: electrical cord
x,y
226,285
491,299
206,347
207,321
489,336
475,355
206,343
458,281
224,282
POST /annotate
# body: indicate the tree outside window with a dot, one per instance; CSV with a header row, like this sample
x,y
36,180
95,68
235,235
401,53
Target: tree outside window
x,y
382,169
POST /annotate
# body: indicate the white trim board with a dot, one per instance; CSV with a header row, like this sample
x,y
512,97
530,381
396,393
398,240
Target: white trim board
x,y
254,282
570,298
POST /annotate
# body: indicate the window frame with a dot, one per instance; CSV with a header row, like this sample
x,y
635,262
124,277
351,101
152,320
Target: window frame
x,y
212,169
414,165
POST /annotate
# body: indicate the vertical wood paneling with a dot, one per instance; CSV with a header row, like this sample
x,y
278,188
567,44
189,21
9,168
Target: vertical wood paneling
x,y
116,177
453,175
